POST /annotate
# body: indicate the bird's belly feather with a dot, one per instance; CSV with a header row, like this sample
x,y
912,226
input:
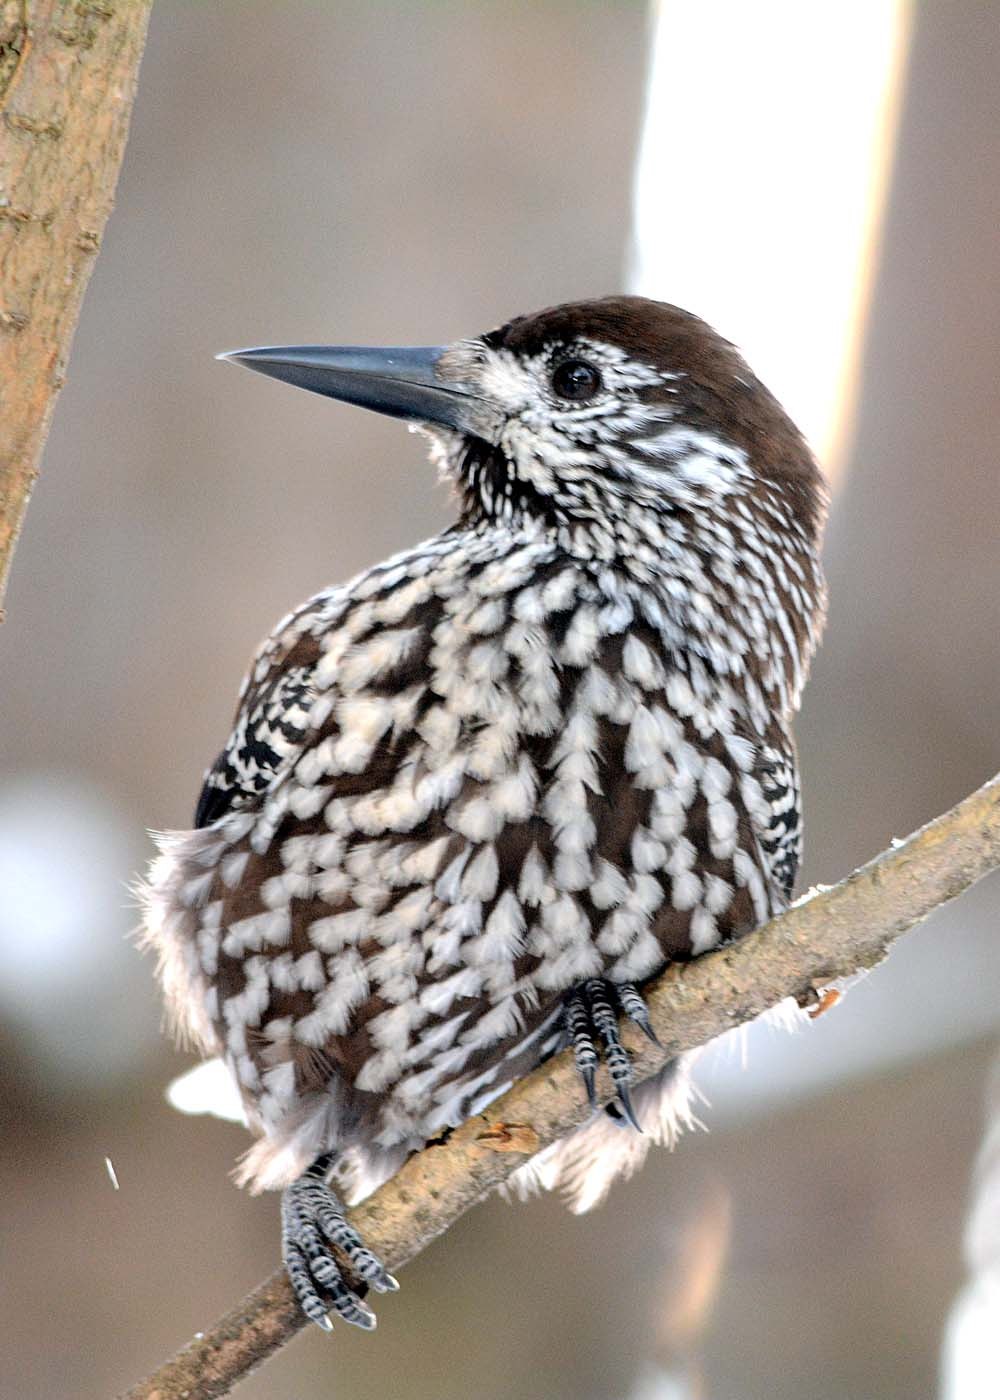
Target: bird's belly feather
x,y
381,962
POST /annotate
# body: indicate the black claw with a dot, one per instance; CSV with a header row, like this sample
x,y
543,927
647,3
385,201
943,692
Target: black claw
x,y
625,1101
589,1077
350,1307
645,1025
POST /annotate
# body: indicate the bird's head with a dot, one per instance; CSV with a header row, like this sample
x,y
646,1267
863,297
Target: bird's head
x,y
585,417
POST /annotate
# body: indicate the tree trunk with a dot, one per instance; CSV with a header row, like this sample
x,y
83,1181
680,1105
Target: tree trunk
x,y
68,72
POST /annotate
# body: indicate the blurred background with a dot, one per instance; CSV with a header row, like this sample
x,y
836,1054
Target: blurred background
x,y
413,172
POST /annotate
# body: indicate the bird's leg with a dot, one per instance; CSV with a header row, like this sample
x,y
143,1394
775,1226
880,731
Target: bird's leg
x,y
591,1024
312,1215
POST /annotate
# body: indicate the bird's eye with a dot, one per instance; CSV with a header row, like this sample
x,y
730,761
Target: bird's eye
x,y
576,379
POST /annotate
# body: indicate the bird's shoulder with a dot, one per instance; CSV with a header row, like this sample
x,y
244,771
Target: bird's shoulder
x,y
272,709
365,644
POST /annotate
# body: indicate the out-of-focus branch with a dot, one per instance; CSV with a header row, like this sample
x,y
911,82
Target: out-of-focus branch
x,y
68,71
830,935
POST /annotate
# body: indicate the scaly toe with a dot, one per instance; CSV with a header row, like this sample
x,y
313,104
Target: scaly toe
x,y
310,1211
635,1009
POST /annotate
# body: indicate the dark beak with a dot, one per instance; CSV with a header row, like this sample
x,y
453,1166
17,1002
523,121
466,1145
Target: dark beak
x,y
401,382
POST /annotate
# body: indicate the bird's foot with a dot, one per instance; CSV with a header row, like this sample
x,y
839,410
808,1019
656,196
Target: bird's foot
x,y
591,1022
312,1218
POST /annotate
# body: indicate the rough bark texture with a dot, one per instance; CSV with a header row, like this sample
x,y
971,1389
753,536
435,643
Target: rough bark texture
x,y
827,936
68,72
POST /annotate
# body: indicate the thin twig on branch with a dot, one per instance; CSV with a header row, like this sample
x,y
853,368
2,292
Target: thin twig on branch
x,y
67,82
830,935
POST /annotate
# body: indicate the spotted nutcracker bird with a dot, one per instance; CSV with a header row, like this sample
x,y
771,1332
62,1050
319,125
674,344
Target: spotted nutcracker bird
x,y
477,797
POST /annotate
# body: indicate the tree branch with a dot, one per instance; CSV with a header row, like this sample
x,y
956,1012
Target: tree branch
x,y
67,80
828,935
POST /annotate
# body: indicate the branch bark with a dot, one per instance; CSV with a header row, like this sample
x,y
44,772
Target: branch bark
x,y
68,71
829,935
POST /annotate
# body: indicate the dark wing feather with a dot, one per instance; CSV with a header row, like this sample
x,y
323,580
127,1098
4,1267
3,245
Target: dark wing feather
x,y
778,773
270,721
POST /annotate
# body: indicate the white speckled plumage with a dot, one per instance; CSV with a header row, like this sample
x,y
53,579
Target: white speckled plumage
x,y
550,744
